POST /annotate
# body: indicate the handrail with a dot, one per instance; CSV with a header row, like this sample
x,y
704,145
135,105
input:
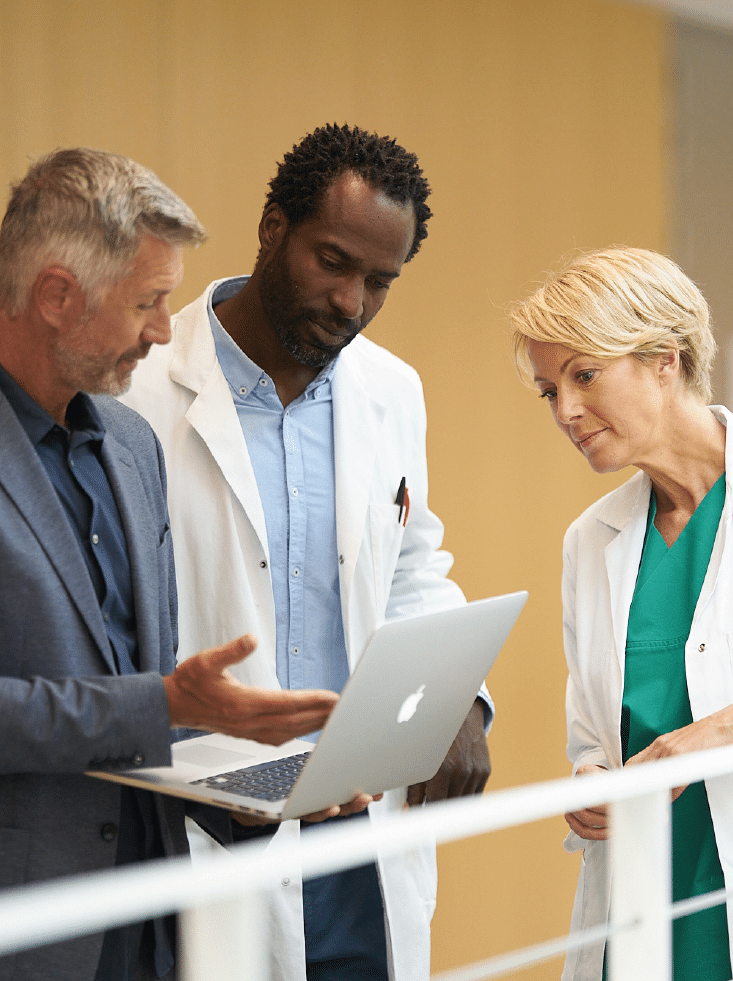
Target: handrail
x,y
41,913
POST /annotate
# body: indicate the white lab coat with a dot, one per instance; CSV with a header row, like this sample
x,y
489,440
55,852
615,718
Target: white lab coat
x,y
602,552
223,570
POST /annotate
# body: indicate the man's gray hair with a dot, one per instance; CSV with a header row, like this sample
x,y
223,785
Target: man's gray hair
x,y
85,210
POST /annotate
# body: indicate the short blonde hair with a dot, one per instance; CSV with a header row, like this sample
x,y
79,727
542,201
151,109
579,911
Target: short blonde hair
x,y
616,302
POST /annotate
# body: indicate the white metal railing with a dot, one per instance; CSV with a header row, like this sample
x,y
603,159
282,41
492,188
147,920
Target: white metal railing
x,y
221,894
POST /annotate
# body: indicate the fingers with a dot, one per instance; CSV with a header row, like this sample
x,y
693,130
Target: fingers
x,y
355,806
590,824
249,820
416,795
220,658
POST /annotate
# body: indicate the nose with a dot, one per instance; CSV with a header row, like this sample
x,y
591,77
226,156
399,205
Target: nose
x,y
348,297
158,327
567,406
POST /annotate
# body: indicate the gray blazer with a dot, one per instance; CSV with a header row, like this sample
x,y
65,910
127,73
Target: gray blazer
x,y
62,706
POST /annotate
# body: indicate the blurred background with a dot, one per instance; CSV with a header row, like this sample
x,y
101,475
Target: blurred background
x,y
543,126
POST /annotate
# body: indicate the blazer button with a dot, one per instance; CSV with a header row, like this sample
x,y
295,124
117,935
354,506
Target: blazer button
x,y
108,831
138,759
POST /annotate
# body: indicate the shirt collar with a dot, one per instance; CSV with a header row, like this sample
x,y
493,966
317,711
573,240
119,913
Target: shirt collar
x,y
81,414
240,371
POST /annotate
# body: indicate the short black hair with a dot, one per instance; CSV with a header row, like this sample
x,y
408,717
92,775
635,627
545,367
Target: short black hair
x,y
312,166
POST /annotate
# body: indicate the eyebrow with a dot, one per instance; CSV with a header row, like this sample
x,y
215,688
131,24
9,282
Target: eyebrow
x,y
350,259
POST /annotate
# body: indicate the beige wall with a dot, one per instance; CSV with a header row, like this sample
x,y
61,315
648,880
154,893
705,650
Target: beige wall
x,y
540,125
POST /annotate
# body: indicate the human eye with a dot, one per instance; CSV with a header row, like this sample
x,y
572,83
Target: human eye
x,y
380,284
549,393
332,265
586,376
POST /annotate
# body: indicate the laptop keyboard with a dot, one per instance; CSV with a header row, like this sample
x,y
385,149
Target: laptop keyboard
x,y
266,781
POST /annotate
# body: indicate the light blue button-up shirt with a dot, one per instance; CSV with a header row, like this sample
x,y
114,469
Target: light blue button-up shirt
x,y
292,453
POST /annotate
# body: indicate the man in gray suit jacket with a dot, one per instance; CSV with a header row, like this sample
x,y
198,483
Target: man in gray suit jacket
x,y
90,249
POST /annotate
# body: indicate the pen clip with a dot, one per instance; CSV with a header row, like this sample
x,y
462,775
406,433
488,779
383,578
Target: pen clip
x,y
400,499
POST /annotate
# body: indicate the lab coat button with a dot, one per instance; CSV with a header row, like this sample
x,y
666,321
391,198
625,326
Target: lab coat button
x,y
263,564
701,648
286,882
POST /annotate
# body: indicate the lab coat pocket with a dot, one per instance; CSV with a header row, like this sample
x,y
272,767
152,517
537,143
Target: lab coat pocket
x,y
385,533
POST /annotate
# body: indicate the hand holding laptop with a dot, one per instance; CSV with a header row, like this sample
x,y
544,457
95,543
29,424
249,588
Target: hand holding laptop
x,y
465,770
202,694
359,803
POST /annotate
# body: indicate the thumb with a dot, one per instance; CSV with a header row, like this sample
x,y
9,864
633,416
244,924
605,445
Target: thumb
x,y
236,650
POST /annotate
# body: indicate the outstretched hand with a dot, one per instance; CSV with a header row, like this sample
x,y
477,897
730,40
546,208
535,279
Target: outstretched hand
x,y
203,694
466,768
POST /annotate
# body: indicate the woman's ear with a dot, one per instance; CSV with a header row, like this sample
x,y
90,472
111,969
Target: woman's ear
x,y
668,364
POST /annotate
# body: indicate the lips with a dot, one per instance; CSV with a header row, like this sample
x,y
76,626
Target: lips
x,y
584,441
328,333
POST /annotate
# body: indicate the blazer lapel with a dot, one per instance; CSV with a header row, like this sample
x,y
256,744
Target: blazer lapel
x,y
25,481
142,541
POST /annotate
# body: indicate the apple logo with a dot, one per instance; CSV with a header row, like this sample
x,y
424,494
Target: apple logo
x,y
409,706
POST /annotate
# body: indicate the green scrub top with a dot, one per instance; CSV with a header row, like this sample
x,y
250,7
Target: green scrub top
x,y
656,701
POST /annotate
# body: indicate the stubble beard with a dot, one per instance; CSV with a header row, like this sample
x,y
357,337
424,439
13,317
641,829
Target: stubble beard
x,y
279,298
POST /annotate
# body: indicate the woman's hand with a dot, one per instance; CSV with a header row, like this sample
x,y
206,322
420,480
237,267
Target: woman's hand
x,y
592,822
708,733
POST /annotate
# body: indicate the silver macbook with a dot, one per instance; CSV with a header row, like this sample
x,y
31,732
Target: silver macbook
x,y
392,727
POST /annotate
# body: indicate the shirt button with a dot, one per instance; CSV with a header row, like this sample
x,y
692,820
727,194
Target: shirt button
x,y
296,651
243,390
95,539
295,491
108,831
263,564
263,382
341,560
701,648
285,882
296,572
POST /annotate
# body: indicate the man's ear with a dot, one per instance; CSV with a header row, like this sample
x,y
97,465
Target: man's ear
x,y
57,296
273,227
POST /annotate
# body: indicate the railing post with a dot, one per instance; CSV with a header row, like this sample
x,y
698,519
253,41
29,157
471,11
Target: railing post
x,y
641,888
225,941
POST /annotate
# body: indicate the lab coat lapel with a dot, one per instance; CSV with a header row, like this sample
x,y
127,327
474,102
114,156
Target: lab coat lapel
x,y
627,515
357,423
27,484
212,413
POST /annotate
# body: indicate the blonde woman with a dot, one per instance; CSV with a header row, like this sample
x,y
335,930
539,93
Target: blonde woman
x,y
619,344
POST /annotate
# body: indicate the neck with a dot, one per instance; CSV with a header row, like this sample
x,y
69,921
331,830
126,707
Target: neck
x,y
244,319
694,461
28,363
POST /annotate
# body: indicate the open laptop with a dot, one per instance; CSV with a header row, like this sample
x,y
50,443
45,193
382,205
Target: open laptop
x,y
393,725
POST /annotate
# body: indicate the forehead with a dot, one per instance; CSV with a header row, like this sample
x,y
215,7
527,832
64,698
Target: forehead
x,y
548,358
363,221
